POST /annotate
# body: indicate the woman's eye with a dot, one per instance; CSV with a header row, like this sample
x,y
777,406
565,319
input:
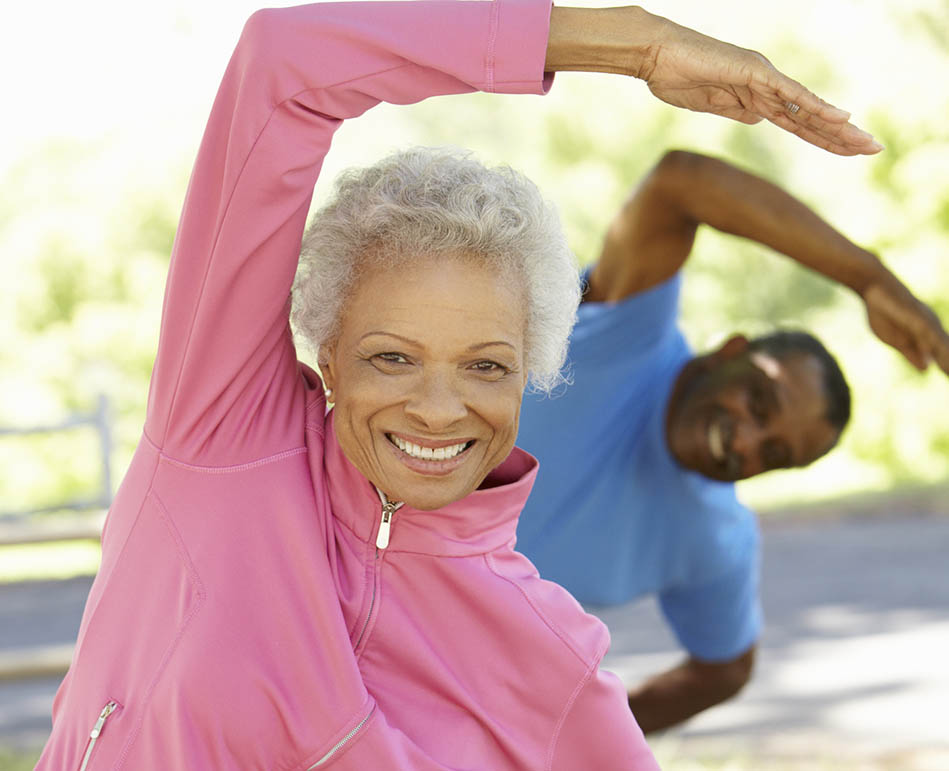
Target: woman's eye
x,y
490,368
390,357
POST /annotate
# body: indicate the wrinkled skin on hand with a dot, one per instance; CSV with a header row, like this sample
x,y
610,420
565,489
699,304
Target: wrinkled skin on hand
x,y
910,326
691,70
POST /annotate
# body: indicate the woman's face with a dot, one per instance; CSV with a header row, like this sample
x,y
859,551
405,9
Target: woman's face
x,y
427,375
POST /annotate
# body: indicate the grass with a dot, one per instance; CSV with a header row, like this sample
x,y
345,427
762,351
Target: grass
x,y
19,760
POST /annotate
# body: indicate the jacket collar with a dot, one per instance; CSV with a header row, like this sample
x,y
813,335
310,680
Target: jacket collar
x,y
483,521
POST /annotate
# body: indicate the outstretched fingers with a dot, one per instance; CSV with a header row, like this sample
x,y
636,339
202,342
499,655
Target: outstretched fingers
x,y
901,320
939,345
942,358
929,336
792,107
789,91
820,136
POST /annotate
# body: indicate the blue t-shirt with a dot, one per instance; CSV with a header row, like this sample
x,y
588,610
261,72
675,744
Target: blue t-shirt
x,y
612,516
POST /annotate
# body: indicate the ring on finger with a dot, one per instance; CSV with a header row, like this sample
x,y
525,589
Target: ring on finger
x,y
792,107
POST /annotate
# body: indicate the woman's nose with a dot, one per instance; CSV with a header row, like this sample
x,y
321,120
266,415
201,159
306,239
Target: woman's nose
x,y
437,402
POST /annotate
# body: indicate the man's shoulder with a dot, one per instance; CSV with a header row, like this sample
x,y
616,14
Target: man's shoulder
x,y
652,313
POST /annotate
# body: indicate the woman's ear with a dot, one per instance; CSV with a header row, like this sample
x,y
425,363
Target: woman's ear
x,y
325,363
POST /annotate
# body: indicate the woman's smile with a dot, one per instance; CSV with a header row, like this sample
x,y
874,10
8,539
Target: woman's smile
x,y
430,456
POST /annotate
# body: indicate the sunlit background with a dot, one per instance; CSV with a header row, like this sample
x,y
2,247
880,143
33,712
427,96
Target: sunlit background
x,y
104,104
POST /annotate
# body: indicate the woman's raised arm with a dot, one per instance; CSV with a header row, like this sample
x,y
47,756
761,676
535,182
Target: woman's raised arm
x,y
225,353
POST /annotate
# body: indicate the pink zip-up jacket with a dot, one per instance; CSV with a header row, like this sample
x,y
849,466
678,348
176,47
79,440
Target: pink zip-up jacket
x,y
249,612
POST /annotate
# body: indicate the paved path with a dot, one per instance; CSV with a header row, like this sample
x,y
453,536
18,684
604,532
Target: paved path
x,y
853,661
40,615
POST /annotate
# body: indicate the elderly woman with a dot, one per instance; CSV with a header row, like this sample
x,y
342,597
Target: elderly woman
x,y
286,587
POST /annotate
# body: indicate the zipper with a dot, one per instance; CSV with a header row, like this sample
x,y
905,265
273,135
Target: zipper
x,y
96,731
382,541
385,524
341,743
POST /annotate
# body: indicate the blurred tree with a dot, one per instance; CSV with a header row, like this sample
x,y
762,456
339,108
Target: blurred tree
x,y
85,258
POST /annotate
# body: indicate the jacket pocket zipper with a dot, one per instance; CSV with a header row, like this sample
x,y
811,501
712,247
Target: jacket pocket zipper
x,y
96,731
342,742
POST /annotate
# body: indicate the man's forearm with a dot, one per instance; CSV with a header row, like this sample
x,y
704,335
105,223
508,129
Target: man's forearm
x,y
687,689
733,201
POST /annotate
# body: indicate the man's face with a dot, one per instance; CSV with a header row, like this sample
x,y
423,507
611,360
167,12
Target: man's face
x,y
735,414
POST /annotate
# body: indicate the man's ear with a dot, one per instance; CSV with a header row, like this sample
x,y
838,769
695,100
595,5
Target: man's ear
x,y
734,346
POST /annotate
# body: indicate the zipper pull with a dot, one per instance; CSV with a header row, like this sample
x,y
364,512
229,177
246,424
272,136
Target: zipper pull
x,y
385,524
107,710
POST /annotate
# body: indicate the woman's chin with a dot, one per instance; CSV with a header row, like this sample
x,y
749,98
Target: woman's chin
x,y
429,493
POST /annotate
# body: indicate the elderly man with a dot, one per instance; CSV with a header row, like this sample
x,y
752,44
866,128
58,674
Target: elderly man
x,y
638,456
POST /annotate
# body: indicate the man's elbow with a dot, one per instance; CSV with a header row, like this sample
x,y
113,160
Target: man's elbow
x,y
675,175
680,164
731,676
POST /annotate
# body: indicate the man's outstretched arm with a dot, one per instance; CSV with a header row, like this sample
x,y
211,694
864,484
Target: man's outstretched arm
x,y
652,235
685,690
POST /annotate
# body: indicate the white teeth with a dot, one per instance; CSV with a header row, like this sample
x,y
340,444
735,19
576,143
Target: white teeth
x,y
427,453
715,444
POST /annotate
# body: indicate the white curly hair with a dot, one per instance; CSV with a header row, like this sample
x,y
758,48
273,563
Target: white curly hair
x,y
434,202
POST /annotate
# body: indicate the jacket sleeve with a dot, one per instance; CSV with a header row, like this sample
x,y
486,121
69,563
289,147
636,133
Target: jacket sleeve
x,y
597,733
226,379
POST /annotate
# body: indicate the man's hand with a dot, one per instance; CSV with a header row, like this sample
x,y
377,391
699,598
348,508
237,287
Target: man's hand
x,y
697,72
910,326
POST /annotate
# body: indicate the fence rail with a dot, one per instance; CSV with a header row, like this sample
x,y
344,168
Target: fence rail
x,y
27,525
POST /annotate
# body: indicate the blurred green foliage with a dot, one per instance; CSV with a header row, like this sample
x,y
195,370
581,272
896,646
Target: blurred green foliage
x,y
18,761
84,264
86,229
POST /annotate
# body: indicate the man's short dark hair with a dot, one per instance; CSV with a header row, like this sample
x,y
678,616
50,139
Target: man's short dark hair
x,y
785,343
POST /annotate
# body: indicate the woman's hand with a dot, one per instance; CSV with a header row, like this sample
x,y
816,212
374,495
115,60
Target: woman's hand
x,y
688,69
691,70
910,326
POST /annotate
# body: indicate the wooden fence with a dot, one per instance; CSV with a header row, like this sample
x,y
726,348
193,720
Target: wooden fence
x,y
29,525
